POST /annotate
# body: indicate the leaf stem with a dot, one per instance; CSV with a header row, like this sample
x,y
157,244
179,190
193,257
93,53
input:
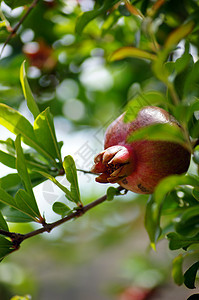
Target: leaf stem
x,y
86,172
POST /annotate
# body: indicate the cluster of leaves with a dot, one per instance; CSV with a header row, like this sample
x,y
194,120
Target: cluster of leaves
x,y
42,160
133,35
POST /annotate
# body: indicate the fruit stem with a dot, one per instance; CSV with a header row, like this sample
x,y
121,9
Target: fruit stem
x,y
174,95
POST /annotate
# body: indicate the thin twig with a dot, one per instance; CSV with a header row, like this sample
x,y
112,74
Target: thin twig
x,y
18,238
15,29
87,172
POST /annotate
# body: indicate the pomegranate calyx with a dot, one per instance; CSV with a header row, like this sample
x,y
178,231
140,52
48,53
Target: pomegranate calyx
x,y
114,163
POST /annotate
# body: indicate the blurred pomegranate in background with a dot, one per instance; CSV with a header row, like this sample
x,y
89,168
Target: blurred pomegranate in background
x,y
40,55
135,293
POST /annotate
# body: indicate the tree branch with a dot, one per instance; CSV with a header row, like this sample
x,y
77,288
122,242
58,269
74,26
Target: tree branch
x,y
18,238
15,29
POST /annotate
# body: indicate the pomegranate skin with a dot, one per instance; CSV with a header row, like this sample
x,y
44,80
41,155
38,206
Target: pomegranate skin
x,y
140,165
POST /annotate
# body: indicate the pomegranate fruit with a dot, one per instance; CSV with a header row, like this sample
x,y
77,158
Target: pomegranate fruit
x,y
135,293
140,165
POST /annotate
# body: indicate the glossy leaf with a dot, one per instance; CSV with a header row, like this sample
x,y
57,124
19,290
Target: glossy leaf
x,y
6,247
63,188
45,133
177,241
88,16
61,209
3,224
144,99
182,62
13,215
8,145
177,273
17,3
10,181
188,222
17,124
22,168
196,155
110,21
7,159
21,202
158,66
190,276
23,173
25,203
158,132
111,193
71,175
125,52
27,92
152,220
178,34
195,193
169,183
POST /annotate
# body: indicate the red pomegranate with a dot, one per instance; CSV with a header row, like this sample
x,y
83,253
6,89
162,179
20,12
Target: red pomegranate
x,y
140,165
135,293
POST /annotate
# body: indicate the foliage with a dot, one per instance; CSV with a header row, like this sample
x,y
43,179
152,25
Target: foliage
x,y
137,45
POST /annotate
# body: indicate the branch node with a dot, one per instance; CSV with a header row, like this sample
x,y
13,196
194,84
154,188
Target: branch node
x,y
16,239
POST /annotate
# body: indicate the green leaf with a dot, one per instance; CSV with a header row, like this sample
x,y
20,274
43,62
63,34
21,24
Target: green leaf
x,y
177,273
196,155
110,21
152,220
190,276
10,182
22,168
23,173
17,3
111,193
13,215
27,92
71,175
187,223
8,145
169,183
178,34
144,99
26,204
3,224
63,188
17,124
125,52
61,209
3,23
21,202
182,62
6,247
7,159
45,133
88,16
21,298
195,193
177,241
158,132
